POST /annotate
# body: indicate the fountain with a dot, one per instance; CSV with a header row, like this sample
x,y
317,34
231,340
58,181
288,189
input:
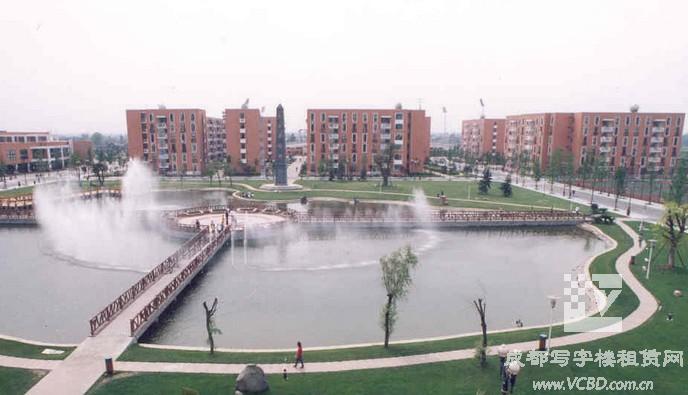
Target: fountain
x,y
105,232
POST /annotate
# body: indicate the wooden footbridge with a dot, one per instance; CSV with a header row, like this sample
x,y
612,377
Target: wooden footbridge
x,y
128,316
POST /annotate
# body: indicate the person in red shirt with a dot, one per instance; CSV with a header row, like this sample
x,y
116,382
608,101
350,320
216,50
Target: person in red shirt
x,y
299,354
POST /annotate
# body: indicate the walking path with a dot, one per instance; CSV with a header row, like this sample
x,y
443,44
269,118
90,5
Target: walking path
x,y
75,374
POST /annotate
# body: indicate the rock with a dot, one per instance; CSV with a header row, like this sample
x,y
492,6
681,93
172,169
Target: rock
x,y
678,293
252,379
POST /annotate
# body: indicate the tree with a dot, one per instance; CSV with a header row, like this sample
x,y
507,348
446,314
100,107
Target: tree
x,y
568,171
75,162
210,324
396,277
554,168
598,172
651,184
3,172
323,167
674,221
182,172
213,169
99,169
523,166
619,184
585,169
537,174
385,162
485,183
364,167
480,307
506,187
227,170
679,183
97,139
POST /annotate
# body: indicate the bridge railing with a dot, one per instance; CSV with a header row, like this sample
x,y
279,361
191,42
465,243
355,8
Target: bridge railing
x,y
105,316
189,270
446,217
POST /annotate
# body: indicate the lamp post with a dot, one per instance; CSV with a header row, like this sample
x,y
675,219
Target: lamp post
x,y
649,260
552,305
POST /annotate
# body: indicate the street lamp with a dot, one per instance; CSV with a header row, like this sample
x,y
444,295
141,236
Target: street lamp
x,y
552,305
649,259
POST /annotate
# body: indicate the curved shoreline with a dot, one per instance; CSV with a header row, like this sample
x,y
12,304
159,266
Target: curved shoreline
x,y
585,269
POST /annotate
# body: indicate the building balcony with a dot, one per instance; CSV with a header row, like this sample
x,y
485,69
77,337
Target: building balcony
x,y
656,140
398,162
333,126
606,139
655,150
242,141
607,129
242,150
334,146
657,129
654,159
604,150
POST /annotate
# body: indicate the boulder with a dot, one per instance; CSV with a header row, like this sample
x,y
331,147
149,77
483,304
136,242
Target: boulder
x,y
252,380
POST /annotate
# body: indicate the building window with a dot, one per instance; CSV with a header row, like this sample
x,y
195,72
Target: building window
x,y
12,155
181,117
143,117
354,117
171,117
193,118
322,117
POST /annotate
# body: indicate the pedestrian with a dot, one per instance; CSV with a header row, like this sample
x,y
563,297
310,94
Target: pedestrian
x,y
299,354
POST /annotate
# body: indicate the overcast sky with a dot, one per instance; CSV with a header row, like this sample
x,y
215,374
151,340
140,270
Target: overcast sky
x,y
75,66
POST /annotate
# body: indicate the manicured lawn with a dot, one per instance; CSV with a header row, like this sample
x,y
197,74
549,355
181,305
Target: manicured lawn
x,y
624,305
16,192
24,350
458,192
464,377
18,381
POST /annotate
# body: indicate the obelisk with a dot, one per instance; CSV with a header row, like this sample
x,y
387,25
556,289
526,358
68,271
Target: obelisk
x,y
280,167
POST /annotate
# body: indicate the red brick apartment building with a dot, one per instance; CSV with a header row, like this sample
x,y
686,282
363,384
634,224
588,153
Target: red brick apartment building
x,y
171,141
353,137
251,140
639,142
482,136
34,151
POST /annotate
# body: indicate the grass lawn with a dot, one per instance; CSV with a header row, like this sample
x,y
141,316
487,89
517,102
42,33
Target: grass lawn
x,y
464,377
458,192
24,350
16,192
18,381
625,304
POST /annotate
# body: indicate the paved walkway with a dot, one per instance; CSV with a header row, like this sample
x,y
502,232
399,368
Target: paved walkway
x,y
77,373
85,365
647,307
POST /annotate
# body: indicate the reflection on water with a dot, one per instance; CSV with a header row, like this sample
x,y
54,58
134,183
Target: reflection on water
x,y
323,285
319,285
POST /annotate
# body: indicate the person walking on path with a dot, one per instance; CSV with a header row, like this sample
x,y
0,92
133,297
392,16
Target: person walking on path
x,y
299,354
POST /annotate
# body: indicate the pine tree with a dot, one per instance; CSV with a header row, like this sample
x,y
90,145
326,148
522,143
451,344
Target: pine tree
x,y
506,187
485,183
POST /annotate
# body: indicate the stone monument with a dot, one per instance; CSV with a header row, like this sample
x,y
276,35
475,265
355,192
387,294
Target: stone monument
x,y
280,166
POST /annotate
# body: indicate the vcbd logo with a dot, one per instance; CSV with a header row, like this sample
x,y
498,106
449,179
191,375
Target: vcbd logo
x,y
579,290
